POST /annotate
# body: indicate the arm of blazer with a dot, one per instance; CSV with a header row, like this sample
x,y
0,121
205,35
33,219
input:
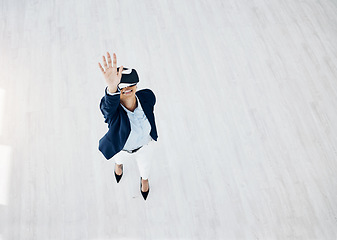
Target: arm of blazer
x,y
109,105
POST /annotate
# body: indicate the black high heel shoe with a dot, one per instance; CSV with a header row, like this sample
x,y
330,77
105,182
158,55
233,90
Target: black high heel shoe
x,y
118,177
144,193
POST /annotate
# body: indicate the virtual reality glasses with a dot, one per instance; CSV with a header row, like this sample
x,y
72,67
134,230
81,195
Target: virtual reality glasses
x,y
129,78
124,85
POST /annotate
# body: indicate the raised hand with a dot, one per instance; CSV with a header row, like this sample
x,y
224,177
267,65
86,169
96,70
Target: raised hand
x,y
112,77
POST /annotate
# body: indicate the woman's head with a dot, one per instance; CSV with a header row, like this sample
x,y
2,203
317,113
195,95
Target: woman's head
x,y
128,83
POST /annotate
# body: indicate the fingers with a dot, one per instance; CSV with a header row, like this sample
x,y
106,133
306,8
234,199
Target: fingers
x,y
101,68
115,61
106,66
104,62
109,59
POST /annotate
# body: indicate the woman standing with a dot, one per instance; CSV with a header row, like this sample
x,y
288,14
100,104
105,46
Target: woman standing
x,y
130,119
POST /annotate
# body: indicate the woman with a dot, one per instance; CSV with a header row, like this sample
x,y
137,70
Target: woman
x,y
130,119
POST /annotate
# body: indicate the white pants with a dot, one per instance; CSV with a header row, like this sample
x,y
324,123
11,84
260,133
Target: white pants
x,y
143,157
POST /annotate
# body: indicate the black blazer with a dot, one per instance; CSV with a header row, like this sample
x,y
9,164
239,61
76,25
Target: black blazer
x,y
118,122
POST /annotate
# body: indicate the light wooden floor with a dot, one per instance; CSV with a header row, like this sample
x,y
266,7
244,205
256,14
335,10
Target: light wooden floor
x,y
246,117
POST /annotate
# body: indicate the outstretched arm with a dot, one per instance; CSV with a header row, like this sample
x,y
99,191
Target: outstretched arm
x,y
110,103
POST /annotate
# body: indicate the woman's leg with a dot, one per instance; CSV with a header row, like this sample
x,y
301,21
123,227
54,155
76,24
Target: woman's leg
x,y
119,159
144,157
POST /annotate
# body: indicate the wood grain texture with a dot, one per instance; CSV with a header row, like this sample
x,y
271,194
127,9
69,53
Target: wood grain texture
x,y
246,117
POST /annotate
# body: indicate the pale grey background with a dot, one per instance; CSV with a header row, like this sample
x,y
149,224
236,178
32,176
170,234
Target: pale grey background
x,y
246,116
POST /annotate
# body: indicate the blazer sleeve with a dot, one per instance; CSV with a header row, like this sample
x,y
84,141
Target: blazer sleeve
x,y
150,96
109,105
153,98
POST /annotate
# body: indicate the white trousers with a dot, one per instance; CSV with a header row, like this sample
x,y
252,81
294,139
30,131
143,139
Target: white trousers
x,y
143,156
